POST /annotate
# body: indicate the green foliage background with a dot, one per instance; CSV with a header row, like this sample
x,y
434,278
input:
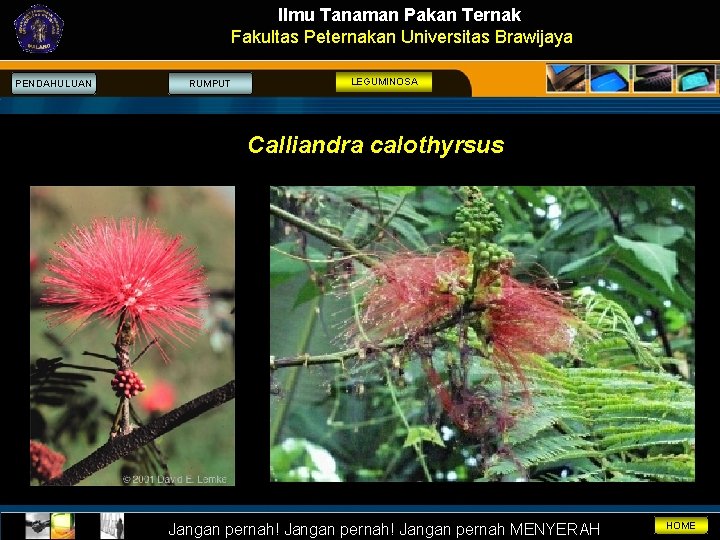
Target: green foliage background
x,y
623,412
79,424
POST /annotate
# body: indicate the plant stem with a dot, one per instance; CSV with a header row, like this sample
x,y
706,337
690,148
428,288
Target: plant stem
x,y
335,241
333,358
657,319
416,445
125,338
340,356
614,214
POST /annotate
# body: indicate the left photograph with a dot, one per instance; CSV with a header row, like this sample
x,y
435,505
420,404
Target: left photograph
x,y
132,293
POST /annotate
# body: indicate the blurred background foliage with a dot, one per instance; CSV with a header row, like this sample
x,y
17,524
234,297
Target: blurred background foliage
x,y
633,244
73,412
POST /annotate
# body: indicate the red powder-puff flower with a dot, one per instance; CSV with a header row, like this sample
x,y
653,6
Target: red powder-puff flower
x,y
160,397
129,269
45,464
523,320
412,292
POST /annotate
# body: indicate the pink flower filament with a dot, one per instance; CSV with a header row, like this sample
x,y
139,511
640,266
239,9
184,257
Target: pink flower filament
x,y
130,269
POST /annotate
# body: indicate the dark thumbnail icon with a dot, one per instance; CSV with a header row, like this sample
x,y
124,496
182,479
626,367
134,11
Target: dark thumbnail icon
x,y
653,78
566,78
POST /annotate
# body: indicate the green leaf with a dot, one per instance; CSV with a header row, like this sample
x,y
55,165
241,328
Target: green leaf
x,y
281,263
657,234
409,233
663,468
577,267
655,258
439,225
632,286
528,193
357,225
284,265
675,319
443,204
583,222
406,210
396,190
418,434
646,436
307,292
677,294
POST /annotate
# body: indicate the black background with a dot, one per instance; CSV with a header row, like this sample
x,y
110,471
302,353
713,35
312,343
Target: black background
x,y
607,149
165,30
579,149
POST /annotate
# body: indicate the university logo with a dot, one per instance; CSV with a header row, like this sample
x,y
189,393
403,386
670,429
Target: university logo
x,y
38,30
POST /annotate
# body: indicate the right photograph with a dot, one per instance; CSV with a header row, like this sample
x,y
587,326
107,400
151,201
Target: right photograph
x,y
482,333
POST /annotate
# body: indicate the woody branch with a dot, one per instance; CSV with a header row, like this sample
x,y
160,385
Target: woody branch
x,y
120,447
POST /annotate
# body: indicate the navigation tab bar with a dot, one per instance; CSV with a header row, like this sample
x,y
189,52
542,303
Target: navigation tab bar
x,y
228,84
54,83
258,83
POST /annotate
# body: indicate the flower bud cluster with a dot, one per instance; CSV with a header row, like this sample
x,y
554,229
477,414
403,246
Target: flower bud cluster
x,y
127,383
